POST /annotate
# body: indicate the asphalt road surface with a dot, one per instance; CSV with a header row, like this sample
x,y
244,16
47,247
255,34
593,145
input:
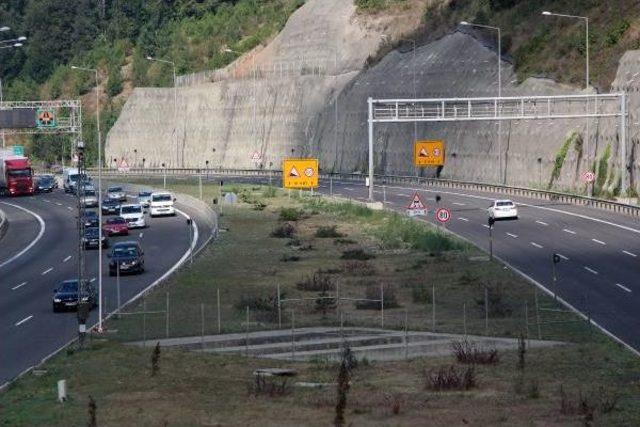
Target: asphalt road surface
x,y
40,250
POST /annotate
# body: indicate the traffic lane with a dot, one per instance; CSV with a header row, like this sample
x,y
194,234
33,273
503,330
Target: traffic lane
x,y
23,229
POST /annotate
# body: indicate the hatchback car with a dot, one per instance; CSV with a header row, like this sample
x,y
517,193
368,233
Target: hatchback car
x,y
91,238
116,193
65,296
503,209
110,206
126,257
134,215
116,227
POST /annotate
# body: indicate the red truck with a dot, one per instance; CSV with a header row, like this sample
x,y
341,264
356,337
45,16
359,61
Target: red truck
x,y
16,175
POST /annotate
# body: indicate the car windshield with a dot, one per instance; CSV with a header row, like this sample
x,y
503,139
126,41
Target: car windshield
x,y
115,189
125,251
144,194
130,209
116,221
89,193
162,198
110,202
92,232
19,172
68,287
45,180
504,204
90,214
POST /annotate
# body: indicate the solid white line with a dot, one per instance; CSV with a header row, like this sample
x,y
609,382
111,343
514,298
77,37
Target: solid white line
x,y
568,231
67,259
46,271
590,270
515,236
19,286
463,219
563,257
536,245
26,319
458,204
30,245
599,241
630,253
541,223
621,286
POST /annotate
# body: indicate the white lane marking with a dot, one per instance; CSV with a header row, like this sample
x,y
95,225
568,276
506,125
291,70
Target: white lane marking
x,y
349,189
463,219
26,319
92,280
47,200
566,230
623,287
541,223
46,271
30,245
458,204
563,257
515,236
590,270
141,234
70,208
536,245
19,286
485,225
630,253
58,203
67,259
600,242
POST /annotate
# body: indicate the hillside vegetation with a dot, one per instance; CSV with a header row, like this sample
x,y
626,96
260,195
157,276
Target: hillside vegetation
x,y
541,46
116,36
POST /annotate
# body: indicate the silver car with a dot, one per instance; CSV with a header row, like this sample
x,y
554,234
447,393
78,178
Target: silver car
x,y
144,198
117,193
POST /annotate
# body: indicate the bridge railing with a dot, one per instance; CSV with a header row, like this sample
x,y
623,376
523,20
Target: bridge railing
x,y
533,193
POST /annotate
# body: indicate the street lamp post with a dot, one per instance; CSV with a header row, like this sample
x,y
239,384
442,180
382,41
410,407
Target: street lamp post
x,y
471,24
95,70
175,108
586,46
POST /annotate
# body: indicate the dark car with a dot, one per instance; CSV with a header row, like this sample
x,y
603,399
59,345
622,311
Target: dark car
x,y
91,238
110,206
45,183
90,219
117,226
128,257
65,296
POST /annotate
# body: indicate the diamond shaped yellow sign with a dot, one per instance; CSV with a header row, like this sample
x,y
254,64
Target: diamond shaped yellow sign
x,y
428,153
300,173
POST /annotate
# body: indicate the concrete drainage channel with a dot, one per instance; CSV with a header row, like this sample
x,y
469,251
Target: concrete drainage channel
x,y
315,343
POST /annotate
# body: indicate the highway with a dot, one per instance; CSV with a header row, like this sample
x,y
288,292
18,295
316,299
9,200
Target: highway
x,y
40,250
599,271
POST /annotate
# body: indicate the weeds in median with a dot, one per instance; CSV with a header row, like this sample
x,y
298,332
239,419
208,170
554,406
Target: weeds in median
x,y
469,353
450,378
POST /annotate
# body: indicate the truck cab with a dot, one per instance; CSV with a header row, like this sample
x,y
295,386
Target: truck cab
x,y
16,175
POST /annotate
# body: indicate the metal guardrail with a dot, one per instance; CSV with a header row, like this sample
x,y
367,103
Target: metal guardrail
x,y
553,196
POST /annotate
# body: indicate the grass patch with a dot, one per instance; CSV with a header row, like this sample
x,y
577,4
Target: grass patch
x,y
397,232
328,231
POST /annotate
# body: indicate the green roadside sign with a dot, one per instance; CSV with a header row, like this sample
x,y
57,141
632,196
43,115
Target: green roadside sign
x,y
18,150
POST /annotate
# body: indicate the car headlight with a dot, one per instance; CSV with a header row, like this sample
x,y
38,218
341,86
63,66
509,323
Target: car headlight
x,y
85,299
57,300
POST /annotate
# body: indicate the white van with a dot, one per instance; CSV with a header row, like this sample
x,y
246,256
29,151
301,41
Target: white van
x,y
162,204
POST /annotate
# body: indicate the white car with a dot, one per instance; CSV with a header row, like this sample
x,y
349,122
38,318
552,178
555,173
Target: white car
x,y
503,209
89,198
162,204
134,215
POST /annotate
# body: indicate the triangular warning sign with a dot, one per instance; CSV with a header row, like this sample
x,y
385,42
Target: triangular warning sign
x,y
423,153
294,172
416,203
123,166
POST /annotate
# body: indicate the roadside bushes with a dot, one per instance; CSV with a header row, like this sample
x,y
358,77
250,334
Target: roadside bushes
x,y
284,231
450,378
398,232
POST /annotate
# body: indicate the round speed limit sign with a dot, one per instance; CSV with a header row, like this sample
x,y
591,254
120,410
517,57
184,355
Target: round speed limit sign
x,y
443,215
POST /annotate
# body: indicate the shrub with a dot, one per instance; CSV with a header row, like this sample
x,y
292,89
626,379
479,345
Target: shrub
x,y
328,231
289,258
155,360
259,205
398,232
372,296
319,282
468,353
358,254
359,268
449,378
290,214
286,230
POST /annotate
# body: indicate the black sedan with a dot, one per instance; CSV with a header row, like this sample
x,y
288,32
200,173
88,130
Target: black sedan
x,y
65,296
90,219
91,238
126,257
110,206
45,183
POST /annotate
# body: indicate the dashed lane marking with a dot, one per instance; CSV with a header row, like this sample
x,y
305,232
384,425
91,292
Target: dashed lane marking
x,y
515,236
629,253
563,257
536,245
18,286
590,270
463,219
600,242
67,259
623,287
47,271
542,223
26,319
458,204
566,230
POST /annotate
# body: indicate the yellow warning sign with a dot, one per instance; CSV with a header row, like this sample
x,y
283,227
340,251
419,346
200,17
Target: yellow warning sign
x,y
428,153
300,173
